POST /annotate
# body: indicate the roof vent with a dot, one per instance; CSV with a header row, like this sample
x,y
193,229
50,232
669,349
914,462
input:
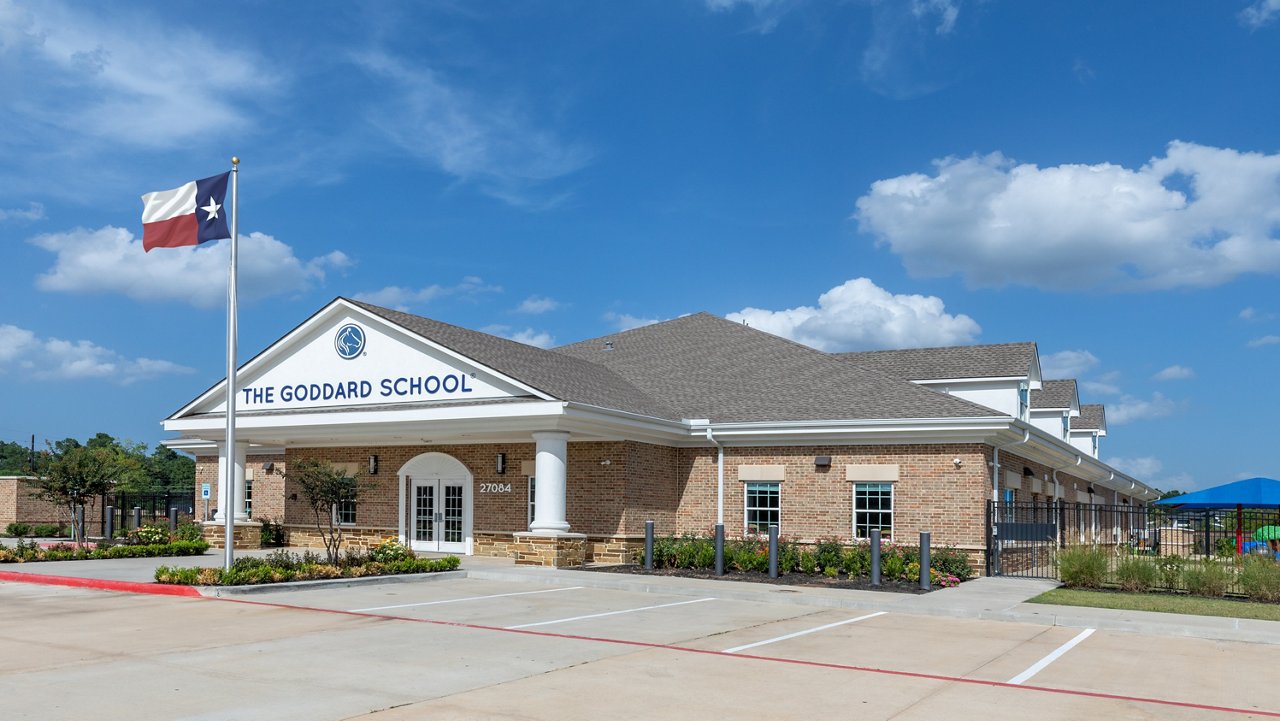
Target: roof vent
x,y
608,345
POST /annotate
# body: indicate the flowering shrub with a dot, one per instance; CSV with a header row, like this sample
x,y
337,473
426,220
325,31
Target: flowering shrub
x,y
389,551
283,566
32,551
828,557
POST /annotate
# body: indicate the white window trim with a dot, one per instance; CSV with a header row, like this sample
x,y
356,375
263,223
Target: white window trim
x,y
893,515
746,509
531,489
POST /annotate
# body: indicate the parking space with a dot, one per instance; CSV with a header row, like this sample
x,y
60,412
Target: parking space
x,y
471,648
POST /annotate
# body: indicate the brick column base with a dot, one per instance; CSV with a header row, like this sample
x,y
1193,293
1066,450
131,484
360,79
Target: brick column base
x,y
246,534
562,550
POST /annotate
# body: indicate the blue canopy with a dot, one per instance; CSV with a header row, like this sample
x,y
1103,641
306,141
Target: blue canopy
x,y
1250,493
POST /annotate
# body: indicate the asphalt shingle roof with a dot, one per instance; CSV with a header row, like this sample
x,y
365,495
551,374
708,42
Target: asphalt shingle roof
x,y
1054,394
709,367
1093,417
971,361
556,375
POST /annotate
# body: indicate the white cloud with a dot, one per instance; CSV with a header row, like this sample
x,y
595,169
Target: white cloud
x,y
111,76
400,298
1248,313
1264,340
860,315
1135,409
906,56
1148,470
1067,364
34,211
528,336
623,321
1070,227
57,359
535,305
768,13
1260,13
1175,373
488,141
111,260
1100,388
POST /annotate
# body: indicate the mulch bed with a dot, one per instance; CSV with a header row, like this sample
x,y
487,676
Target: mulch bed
x,y
790,579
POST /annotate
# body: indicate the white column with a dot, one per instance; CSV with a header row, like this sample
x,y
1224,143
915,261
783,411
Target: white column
x,y
221,516
241,461
550,466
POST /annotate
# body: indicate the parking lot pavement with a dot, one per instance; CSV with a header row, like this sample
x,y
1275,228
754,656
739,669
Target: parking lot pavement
x,y
472,648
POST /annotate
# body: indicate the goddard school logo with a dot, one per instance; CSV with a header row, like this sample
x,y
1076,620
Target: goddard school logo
x,y
349,342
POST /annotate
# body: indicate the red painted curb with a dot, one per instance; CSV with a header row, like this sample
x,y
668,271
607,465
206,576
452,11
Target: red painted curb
x,y
155,589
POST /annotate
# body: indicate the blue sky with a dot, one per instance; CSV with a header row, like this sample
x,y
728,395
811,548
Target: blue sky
x,y
1102,178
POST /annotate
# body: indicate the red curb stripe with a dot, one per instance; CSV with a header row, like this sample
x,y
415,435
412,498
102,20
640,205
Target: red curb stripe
x,y
776,659
155,589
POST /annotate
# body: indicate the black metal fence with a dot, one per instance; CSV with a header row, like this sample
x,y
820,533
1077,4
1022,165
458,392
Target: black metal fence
x,y
1027,539
154,507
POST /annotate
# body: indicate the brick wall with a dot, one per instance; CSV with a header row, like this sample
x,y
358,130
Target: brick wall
x,y
17,505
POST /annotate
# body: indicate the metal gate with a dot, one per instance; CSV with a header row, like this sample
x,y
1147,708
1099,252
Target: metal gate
x,y
1023,539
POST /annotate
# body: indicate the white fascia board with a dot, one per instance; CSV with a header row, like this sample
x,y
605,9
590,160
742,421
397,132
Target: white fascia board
x,y
986,379
204,447
303,419
341,304
912,430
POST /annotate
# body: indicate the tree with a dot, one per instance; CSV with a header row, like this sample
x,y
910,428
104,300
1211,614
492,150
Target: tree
x,y
171,471
15,459
325,488
76,475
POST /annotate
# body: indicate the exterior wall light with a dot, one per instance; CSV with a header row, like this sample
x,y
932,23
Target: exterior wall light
x,y
373,465
822,461
501,464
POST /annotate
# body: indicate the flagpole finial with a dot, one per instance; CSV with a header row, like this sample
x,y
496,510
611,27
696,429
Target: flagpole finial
x,y
235,160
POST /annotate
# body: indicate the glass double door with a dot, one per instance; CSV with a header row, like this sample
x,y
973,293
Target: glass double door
x,y
439,516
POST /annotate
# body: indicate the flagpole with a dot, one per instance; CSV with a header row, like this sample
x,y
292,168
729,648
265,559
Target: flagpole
x,y
228,503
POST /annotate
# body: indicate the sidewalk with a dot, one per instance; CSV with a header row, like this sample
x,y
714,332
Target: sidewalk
x,y
995,599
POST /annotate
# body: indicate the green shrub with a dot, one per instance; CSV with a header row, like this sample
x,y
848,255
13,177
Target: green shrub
x,y
18,530
856,561
189,532
1209,578
273,533
282,567
388,551
893,563
1137,575
1225,547
828,553
808,562
49,530
746,554
1170,568
1260,579
950,561
788,556
1082,566
176,575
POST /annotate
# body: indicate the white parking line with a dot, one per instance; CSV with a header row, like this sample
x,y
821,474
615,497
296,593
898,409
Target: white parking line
x,y
1039,665
609,613
459,600
736,649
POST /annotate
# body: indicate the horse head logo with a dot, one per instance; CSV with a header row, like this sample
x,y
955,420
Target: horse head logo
x,y
349,342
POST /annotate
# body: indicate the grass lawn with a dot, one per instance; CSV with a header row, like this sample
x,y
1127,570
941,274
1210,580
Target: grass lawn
x,y
1162,603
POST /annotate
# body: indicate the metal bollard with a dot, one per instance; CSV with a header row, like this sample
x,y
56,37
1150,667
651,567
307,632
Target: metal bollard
x,y
109,522
648,545
926,581
875,557
773,551
137,516
173,519
719,549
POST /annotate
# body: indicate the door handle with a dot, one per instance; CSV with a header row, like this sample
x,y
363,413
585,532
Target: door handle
x,y
439,517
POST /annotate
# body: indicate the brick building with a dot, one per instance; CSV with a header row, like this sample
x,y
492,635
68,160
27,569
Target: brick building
x,y
480,445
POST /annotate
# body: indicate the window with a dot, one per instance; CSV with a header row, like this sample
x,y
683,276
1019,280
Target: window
x,y
1066,426
872,509
248,498
346,512
1024,401
533,484
763,506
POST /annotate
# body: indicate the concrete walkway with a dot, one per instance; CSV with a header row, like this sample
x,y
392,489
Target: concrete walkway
x,y
997,599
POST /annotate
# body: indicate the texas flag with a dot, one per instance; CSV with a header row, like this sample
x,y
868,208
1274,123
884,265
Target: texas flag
x,y
189,215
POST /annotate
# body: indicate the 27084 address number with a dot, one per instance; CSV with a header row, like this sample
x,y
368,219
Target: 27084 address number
x,y
495,487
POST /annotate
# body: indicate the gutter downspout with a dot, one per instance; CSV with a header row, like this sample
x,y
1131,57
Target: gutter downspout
x,y
995,467
719,477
